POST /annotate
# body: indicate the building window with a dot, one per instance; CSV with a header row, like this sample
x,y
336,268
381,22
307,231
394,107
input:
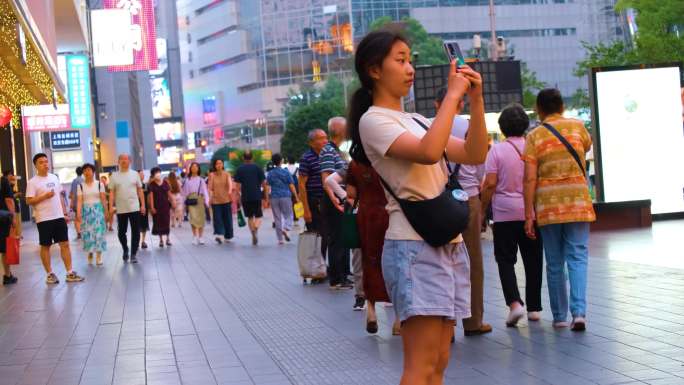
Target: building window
x,y
190,56
223,63
216,35
189,38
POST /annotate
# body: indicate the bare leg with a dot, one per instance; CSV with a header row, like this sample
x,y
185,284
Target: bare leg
x,y
65,251
200,231
423,339
8,271
45,258
444,352
370,311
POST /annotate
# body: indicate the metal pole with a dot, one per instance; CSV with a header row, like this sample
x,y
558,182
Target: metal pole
x,y
493,51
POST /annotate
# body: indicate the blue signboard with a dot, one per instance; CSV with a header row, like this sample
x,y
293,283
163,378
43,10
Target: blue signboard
x,y
78,79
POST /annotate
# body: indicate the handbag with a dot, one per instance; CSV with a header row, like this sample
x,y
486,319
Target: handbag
x,y
567,145
194,201
241,218
350,228
298,209
441,219
12,251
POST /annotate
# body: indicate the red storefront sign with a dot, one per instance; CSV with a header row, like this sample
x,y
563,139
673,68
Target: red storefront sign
x,y
45,117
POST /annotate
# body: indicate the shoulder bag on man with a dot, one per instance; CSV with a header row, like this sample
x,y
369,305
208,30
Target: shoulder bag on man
x,y
438,220
567,145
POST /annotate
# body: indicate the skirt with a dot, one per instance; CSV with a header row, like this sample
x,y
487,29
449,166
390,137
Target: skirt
x,y
198,217
93,228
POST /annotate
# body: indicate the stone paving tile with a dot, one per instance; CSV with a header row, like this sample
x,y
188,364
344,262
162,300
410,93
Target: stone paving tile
x,y
236,314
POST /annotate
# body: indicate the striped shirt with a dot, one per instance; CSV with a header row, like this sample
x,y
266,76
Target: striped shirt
x,y
562,194
310,167
331,161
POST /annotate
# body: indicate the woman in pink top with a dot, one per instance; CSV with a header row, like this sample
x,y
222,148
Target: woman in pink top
x,y
503,187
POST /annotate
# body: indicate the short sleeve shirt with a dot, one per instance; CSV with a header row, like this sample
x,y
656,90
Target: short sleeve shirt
x,y
562,194
504,160
280,180
310,167
125,186
250,176
5,192
49,209
379,128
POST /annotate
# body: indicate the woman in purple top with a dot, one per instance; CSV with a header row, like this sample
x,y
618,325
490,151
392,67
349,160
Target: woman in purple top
x,y
503,187
195,191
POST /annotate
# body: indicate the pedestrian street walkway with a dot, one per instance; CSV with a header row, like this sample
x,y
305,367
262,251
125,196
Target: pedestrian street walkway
x,y
237,314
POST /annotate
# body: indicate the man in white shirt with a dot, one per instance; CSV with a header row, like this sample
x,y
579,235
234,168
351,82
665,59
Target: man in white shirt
x,y
43,193
470,178
125,190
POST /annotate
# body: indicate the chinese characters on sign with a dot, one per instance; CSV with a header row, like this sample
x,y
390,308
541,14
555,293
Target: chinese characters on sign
x,y
45,117
142,34
65,139
209,111
78,80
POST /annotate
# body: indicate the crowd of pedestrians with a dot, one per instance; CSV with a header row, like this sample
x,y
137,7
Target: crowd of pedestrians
x,y
402,173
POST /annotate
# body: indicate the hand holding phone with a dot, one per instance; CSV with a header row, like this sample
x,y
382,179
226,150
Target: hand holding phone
x,y
453,52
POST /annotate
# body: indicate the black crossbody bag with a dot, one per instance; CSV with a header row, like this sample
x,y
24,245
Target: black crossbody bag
x,y
438,220
567,145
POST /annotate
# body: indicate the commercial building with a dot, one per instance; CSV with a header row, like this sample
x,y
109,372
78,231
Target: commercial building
x,y
546,35
33,36
241,59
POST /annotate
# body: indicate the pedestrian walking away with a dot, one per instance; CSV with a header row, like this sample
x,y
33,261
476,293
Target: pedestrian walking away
x,y
92,214
196,199
281,189
503,188
73,196
43,192
557,197
126,192
7,203
251,184
470,178
429,285
178,210
144,222
220,194
160,202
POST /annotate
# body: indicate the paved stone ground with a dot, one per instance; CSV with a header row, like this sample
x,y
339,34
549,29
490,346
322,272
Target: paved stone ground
x,y
237,314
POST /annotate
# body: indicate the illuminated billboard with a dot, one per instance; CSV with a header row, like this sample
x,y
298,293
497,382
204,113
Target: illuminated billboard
x,y
639,143
142,34
166,131
109,48
78,80
159,84
45,117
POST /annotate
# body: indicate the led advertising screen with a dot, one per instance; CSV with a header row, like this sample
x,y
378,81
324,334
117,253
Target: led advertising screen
x,y
45,117
168,131
78,79
159,84
111,48
142,34
640,136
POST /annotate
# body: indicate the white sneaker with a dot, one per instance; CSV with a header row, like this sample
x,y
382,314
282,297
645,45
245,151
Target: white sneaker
x,y
559,324
533,316
195,241
579,324
200,241
514,316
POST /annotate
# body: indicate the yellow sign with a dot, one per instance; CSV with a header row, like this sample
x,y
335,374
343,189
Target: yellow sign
x,y
189,156
266,155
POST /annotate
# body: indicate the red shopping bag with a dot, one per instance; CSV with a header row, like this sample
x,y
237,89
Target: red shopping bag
x,y
12,252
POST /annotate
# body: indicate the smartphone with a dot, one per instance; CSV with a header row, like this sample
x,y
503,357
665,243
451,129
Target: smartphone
x,y
453,52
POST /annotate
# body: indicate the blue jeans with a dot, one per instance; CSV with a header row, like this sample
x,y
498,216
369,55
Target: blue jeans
x,y
566,243
223,220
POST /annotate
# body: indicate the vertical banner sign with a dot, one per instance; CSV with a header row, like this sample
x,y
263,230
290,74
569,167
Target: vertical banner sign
x,y
142,34
78,79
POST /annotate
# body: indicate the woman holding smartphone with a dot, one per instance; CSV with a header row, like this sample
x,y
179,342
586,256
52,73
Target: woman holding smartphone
x,y
429,286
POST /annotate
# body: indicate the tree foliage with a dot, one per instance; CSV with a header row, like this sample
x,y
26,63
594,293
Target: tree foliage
x,y
224,153
429,48
531,86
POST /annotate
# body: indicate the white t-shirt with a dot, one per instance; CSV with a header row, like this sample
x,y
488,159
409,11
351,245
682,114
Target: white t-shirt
x,y
469,176
49,209
90,193
379,128
125,186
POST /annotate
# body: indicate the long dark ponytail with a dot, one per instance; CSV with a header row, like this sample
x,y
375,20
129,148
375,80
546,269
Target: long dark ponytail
x,y
370,52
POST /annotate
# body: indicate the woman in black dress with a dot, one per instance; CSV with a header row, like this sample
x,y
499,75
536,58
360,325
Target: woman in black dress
x,y
160,201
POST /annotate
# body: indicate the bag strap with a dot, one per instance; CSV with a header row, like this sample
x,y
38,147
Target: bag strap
x,y
446,160
516,149
567,145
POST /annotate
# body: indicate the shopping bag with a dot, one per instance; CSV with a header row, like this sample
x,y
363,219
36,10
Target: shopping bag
x,y
241,218
298,210
309,256
350,230
12,252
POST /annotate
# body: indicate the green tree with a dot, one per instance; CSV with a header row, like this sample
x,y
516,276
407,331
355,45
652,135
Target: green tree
x,y
305,118
429,48
604,55
531,86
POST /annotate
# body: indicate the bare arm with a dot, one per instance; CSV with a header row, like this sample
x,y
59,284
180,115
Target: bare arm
x,y
352,194
103,200
111,200
488,188
79,207
36,200
474,149
529,190
9,202
293,190
303,196
150,202
141,198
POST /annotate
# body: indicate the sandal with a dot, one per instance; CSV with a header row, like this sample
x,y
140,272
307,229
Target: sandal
x,y
372,327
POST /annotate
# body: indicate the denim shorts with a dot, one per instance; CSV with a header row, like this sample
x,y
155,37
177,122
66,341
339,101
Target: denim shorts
x,y
425,281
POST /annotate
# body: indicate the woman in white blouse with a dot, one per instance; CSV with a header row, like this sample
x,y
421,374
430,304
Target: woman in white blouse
x,y
91,214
